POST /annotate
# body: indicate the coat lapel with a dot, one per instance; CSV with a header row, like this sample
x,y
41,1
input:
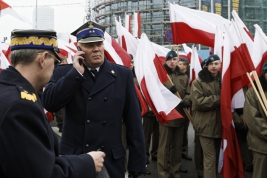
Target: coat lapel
x,y
88,83
106,76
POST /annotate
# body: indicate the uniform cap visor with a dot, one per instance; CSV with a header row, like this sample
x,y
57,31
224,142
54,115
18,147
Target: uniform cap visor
x,y
91,39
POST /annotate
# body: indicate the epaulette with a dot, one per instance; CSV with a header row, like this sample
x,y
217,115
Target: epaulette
x,y
26,96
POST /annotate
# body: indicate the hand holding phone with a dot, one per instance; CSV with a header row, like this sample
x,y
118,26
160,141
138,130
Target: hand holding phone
x,y
80,61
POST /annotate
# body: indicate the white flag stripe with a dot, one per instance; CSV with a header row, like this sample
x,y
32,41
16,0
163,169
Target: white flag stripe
x,y
162,98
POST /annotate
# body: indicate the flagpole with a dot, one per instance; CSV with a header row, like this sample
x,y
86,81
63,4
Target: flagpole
x,y
36,15
177,94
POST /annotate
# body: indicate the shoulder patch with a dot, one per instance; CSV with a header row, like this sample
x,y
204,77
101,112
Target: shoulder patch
x,y
30,97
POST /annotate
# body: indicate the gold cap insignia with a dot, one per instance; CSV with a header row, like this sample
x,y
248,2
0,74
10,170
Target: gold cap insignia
x,y
25,95
90,24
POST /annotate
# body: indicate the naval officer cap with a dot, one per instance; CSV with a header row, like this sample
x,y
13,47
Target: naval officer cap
x,y
34,39
89,32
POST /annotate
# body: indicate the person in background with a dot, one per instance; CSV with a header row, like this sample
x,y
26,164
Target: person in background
x,y
205,96
28,146
96,95
256,120
59,114
183,65
171,134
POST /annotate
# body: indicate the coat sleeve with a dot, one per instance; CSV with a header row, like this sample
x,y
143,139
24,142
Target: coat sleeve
x,y
28,147
202,102
135,133
253,117
60,89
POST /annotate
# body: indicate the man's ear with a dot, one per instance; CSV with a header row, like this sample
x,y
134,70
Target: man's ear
x,y
41,59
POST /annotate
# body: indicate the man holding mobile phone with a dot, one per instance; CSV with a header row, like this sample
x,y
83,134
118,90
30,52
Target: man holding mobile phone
x,y
96,96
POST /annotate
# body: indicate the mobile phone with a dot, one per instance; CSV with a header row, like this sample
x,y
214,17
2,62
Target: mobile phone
x,y
80,61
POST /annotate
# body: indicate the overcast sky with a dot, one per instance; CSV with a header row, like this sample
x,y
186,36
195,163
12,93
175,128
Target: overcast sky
x,y
69,15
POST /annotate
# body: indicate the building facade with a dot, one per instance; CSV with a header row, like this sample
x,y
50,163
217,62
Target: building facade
x,y
155,19
43,18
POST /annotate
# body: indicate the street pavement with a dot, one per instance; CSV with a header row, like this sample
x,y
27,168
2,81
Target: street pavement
x,y
152,166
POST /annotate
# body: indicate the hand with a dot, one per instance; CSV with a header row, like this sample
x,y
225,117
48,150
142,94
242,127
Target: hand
x,y
77,57
185,104
173,89
98,157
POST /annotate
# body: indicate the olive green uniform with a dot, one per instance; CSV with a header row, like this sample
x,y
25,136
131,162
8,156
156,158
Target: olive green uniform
x,y
171,134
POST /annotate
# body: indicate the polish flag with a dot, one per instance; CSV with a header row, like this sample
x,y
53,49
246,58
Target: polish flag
x,y
259,54
194,26
65,51
7,9
114,52
241,23
195,66
230,160
159,98
128,19
137,25
188,52
4,63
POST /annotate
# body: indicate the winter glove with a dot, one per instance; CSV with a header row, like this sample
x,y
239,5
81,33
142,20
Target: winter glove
x,y
185,104
173,89
220,85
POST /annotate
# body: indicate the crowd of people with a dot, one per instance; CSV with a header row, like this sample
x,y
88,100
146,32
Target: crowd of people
x,y
98,113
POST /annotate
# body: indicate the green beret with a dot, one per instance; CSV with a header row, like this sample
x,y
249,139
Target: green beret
x,y
211,58
183,60
264,68
171,54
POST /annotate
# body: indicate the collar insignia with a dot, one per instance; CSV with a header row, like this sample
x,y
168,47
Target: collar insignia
x,y
112,72
30,97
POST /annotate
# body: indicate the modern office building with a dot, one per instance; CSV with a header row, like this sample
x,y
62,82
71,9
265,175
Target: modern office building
x,y
43,18
155,20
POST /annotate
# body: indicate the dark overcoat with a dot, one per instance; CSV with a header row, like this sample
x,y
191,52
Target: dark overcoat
x,y
93,114
28,145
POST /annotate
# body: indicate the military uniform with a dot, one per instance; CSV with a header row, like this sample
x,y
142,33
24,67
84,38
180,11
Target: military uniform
x,y
205,95
29,147
256,120
171,134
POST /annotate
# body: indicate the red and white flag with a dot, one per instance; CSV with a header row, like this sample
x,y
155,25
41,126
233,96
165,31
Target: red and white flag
x,y
7,9
115,53
128,19
195,66
194,26
230,161
137,25
259,54
4,63
188,52
159,98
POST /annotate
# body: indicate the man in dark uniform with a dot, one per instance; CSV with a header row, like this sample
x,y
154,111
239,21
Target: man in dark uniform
x,y
28,146
96,95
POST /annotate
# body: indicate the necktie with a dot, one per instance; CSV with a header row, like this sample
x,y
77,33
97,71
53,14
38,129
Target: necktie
x,y
94,72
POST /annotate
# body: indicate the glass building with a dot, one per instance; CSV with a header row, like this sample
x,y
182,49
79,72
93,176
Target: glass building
x,y
155,20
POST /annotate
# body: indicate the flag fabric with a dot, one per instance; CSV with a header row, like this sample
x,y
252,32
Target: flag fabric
x,y
4,63
188,52
65,51
114,52
241,23
159,98
230,160
195,66
6,9
142,101
259,54
128,19
137,25
194,26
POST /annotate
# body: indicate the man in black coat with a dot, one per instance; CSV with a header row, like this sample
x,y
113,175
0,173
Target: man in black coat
x,y
28,146
96,95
